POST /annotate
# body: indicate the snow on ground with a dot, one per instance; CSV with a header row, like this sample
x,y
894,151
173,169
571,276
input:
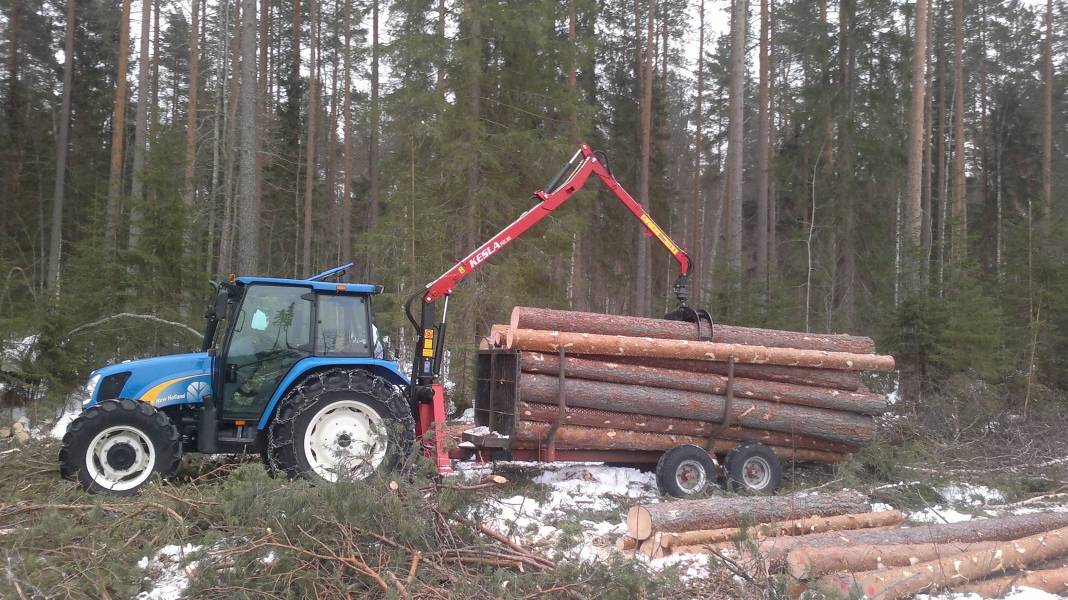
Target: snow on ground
x,y
570,489
691,566
64,421
964,502
169,571
468,416
1022,593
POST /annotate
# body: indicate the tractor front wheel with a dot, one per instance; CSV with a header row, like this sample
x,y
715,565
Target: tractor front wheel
x,y
117,445
341,424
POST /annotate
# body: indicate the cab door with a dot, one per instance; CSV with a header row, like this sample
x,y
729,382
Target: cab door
x,y
272,330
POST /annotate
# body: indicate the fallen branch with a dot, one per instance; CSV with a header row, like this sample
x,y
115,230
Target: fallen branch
x,y
127,315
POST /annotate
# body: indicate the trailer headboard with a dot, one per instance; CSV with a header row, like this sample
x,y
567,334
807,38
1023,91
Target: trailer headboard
x,y
497,390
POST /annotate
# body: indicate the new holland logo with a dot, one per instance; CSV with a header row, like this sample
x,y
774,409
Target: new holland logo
x,y
195,391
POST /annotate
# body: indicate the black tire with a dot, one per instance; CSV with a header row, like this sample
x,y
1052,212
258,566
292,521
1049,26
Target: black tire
x,y
686,472
127,430
765,470
319,394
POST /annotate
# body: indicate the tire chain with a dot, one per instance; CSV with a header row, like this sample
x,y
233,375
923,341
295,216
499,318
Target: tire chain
x,y
304,395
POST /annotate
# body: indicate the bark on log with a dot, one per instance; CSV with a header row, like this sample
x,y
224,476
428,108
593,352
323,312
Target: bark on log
x,y
584,322
611,371
613,345
1054,581
586,417
497,336
812,563
529,434
794,527
903,582
713,513
980,530
826,378
848,428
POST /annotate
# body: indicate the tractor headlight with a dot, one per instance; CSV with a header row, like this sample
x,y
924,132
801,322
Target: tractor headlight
x,y
90,388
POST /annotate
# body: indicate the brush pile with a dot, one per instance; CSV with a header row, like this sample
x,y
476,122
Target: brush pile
x,y
605,382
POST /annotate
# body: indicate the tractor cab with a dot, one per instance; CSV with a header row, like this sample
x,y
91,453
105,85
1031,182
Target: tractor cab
x,y
272,347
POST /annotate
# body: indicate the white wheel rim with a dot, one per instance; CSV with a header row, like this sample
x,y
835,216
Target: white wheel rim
x,y
690,476
120,458
756,473
345,437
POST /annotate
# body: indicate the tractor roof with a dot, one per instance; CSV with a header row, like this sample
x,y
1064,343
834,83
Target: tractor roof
x,y
326,286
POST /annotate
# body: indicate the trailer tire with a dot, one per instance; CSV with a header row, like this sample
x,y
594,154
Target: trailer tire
x,y
754,468
686,471
343,423
117,446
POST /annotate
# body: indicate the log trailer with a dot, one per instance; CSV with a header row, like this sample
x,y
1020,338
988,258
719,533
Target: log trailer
x,y
292,369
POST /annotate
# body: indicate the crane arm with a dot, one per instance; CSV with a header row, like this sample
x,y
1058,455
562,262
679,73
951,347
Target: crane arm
x,y
427,395
582,165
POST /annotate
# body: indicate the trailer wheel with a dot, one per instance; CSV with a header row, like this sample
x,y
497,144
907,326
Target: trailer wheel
x,y
753,467
686,472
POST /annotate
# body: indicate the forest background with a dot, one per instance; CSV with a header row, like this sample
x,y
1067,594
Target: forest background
x,y
878,167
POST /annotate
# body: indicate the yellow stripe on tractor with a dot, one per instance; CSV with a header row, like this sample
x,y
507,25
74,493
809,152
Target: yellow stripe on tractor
x,y
151,395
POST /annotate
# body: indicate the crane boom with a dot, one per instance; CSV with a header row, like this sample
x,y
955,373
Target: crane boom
x,y
427,394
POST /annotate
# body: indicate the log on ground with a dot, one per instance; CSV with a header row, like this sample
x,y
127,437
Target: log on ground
x,y
1053,581
847,428
859,402
583,322
588,343
588,417
791,527
811,563
979,530
718,512
902,582
530,434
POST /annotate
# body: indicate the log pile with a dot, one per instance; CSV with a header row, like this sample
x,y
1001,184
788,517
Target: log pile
x,y
834,544
604,382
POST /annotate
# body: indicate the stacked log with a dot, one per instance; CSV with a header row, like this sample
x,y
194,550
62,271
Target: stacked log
x,y
984,556
688,526
605,382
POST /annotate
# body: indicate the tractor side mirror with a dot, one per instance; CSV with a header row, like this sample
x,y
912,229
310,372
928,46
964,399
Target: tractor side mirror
x,y
231,373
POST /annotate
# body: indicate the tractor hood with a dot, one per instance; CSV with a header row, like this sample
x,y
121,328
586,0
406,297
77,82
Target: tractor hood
x,y
161,380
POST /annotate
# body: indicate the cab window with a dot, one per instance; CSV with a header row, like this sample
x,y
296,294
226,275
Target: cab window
x,y
343,328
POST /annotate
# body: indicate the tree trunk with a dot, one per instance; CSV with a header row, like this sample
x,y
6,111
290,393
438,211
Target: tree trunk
x,y
118,130
144,62
915,156
191,111
980,530
845,260
763,143
1053,581
372,150
55,242
847,428
804,526
248,215
812,563
938,224
346,186
903,582
693,243
736,82
582,368
618,345
603,419
1047,124
530,434
719,512
602,324
310,172
643,276
440,70
959,239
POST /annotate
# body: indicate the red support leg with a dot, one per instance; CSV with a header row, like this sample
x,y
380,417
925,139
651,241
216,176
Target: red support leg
x,y
441,454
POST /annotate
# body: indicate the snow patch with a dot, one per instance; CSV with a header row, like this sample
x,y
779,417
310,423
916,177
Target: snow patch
x,y
167,572
974,495
691,566
64,421
1021,593
468,416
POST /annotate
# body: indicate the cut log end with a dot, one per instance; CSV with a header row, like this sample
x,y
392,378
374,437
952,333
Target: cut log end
x,y
639,523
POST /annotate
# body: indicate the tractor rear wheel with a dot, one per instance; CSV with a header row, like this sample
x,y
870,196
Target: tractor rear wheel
x,y
340,424
117,445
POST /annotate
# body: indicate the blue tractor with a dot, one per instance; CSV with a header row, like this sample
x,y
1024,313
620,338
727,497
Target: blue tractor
x,y
289,368
292,369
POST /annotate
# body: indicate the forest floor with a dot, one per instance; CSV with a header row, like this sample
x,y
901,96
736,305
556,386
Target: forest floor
x,y
224,527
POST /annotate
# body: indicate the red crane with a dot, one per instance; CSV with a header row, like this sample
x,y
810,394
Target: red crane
x,y
427,392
